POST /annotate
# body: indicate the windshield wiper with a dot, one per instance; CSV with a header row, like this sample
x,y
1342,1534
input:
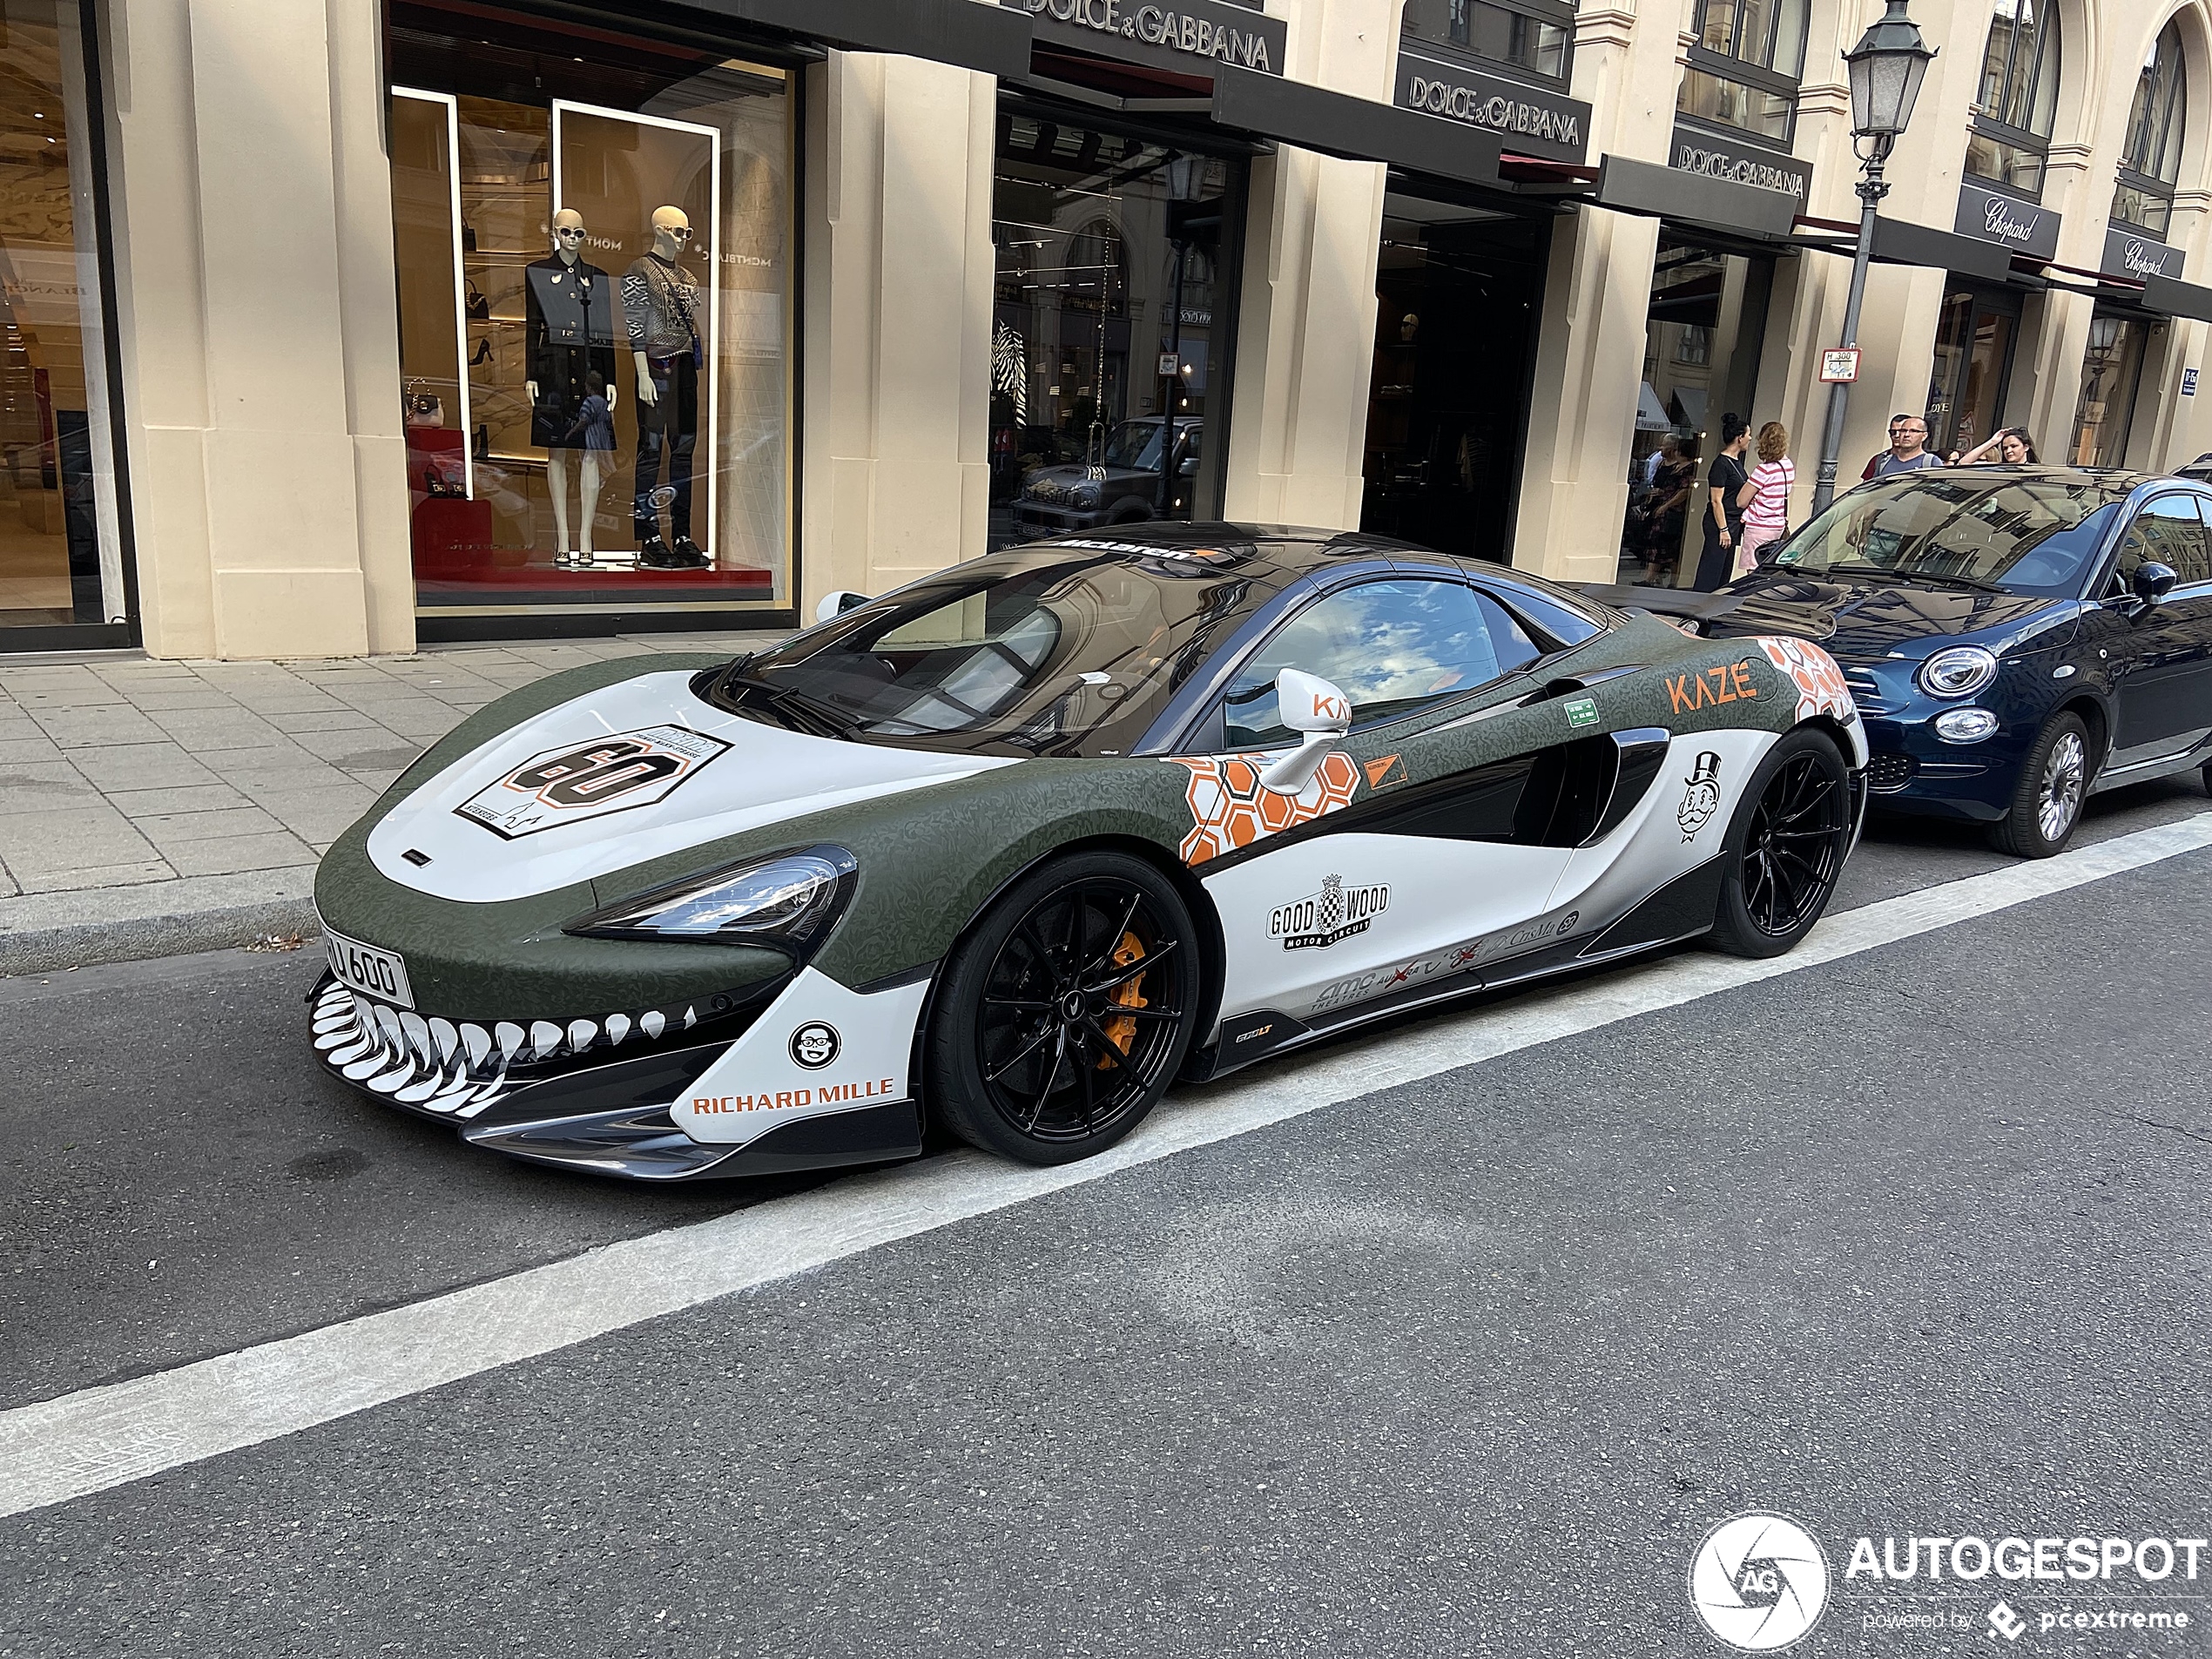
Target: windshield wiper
x,y
1891,575
796,709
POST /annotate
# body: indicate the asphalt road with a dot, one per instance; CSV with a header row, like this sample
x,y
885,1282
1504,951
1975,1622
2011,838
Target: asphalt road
x,y
1914,1242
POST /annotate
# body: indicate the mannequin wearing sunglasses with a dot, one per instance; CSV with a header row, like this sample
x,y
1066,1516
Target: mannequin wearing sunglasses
x,y
663,310
569,311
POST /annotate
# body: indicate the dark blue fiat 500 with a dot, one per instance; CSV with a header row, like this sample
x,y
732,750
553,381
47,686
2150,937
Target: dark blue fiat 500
x,y
2017,638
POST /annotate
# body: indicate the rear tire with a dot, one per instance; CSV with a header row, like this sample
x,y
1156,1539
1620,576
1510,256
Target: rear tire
x,y
1064,1015
1786,847
2047,801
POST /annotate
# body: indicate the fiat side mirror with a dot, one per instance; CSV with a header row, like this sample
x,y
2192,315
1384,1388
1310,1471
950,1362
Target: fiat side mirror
x,y
837,601
1309,703
2153,582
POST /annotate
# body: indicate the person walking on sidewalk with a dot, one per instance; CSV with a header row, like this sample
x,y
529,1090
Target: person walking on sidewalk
x,y
1908,450
1767,518
1727,487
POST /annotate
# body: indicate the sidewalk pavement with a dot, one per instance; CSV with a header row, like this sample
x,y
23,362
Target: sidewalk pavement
x,y
148,808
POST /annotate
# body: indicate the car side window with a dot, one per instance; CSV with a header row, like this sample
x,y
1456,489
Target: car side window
x,y
1390,646
2169,530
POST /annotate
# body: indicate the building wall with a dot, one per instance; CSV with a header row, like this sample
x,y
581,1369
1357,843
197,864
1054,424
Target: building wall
x,y
253,232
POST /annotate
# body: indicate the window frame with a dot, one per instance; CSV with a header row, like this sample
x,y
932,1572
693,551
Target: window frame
x,y
1554,12
2050,57
2111,584
2175,129
1756,73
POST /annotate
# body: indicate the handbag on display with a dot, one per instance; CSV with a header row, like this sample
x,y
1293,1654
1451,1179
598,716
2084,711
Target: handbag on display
x,y
477,306
425,408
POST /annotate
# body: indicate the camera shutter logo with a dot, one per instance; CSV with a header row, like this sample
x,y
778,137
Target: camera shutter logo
x,y
815,1044
1758,1583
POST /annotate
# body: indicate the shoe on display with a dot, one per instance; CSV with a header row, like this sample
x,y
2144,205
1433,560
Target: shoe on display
x,y
653,553
691,556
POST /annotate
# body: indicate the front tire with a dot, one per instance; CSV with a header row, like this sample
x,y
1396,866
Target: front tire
x,y
1785,849
1062,1017
2046,802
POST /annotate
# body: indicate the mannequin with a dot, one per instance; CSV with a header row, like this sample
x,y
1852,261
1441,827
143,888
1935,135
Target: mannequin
x,y
662,311
569,308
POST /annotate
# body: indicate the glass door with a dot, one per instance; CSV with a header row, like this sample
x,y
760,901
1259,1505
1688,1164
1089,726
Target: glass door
x,y
1973,363
2109,372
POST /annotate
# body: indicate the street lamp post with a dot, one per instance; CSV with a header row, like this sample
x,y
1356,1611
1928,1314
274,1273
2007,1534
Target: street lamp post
x,y
1886,67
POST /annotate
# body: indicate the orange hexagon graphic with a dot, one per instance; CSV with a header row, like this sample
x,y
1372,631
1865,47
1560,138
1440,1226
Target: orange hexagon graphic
x,y
1229,809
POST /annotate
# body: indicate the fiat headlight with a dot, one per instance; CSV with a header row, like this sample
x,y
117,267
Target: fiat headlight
x,y
787,901
1958,671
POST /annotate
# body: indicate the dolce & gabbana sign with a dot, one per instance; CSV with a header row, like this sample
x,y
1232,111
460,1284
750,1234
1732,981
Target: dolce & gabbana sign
x,y
1186,35
2019,226
1528,119
2132,254
1710,156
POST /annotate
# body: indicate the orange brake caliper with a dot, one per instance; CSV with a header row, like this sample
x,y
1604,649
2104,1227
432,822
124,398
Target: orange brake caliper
x,y
1120,1030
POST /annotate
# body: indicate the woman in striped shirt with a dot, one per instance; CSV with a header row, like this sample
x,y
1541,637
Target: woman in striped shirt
x,y
1766,516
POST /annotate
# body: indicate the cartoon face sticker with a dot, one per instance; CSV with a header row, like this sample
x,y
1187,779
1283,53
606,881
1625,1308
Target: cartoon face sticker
x,y
1703,796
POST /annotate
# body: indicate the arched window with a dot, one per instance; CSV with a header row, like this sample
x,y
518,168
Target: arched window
x,y
2018,99
2150,159
1745,69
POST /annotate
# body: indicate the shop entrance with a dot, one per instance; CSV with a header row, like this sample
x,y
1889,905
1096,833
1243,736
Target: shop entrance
x,y
1460,292
1973,362
1700,365
2110,372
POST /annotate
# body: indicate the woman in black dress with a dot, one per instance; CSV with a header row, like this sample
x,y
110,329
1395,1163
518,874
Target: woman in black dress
x,y
1726,486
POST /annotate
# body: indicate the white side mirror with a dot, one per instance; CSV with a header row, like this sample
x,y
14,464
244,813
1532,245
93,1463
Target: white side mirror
x,y
1309,703
837,601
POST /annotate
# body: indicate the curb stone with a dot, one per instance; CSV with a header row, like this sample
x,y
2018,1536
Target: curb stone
x,y
44,933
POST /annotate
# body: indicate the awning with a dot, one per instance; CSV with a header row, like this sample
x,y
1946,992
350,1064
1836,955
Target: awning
x,y
1655,191
989,39
1898,241
2171,297
1358,128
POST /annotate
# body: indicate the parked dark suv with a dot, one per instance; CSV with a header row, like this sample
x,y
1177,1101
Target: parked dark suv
x,y
1121,487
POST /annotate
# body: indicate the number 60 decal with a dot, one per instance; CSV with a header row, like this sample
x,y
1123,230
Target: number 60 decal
x,y
582,781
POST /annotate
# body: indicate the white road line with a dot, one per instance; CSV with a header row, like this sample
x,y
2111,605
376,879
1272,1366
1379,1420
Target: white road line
x,y
86,1442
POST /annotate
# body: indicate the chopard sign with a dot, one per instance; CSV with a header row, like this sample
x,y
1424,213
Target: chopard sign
x,y
1991,216
2131,254
1168,34
1528,119
1711,157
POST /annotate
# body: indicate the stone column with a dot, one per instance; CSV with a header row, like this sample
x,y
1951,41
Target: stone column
x,y
897,357
253,231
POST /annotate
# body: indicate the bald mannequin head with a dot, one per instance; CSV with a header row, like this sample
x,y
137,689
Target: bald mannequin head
x,y
567,234
671,230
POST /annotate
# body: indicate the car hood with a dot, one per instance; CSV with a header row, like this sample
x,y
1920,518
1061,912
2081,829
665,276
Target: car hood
x,y
1067,477
1863,619
635,771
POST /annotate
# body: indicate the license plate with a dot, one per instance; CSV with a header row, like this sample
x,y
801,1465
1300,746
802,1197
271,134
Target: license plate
x,y
372,972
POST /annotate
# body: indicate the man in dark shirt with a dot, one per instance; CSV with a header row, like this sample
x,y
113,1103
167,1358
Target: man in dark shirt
x,y
1908,450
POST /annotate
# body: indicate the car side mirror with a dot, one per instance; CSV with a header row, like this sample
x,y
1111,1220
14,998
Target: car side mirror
x,y
837,601
2153,582
1190,466
1309,703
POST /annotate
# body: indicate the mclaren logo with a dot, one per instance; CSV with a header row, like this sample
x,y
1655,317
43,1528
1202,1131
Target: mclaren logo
x,y
1319,920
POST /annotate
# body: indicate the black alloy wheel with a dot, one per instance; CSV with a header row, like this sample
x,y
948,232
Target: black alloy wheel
x,y
1785,849
1065,1014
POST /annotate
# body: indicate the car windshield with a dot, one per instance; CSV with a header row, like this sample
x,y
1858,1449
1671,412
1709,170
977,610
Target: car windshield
x,y
1134,445
1058,649
1974,527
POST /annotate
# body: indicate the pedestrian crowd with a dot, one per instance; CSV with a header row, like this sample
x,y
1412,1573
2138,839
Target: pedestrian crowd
x,y
1746,506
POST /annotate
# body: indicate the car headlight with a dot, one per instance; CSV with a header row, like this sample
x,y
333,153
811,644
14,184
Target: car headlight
x,y
786,901
1083,495
1959,671
1964,726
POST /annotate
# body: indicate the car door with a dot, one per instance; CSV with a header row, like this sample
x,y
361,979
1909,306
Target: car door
x,y
2160,660
1326,910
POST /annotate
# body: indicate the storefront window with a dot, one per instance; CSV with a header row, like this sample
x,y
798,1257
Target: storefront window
x,y
2150,158
594,241
2018,99
61,563
1535,36
1109,335
1742,72
2110,372
1700,365
1973,359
